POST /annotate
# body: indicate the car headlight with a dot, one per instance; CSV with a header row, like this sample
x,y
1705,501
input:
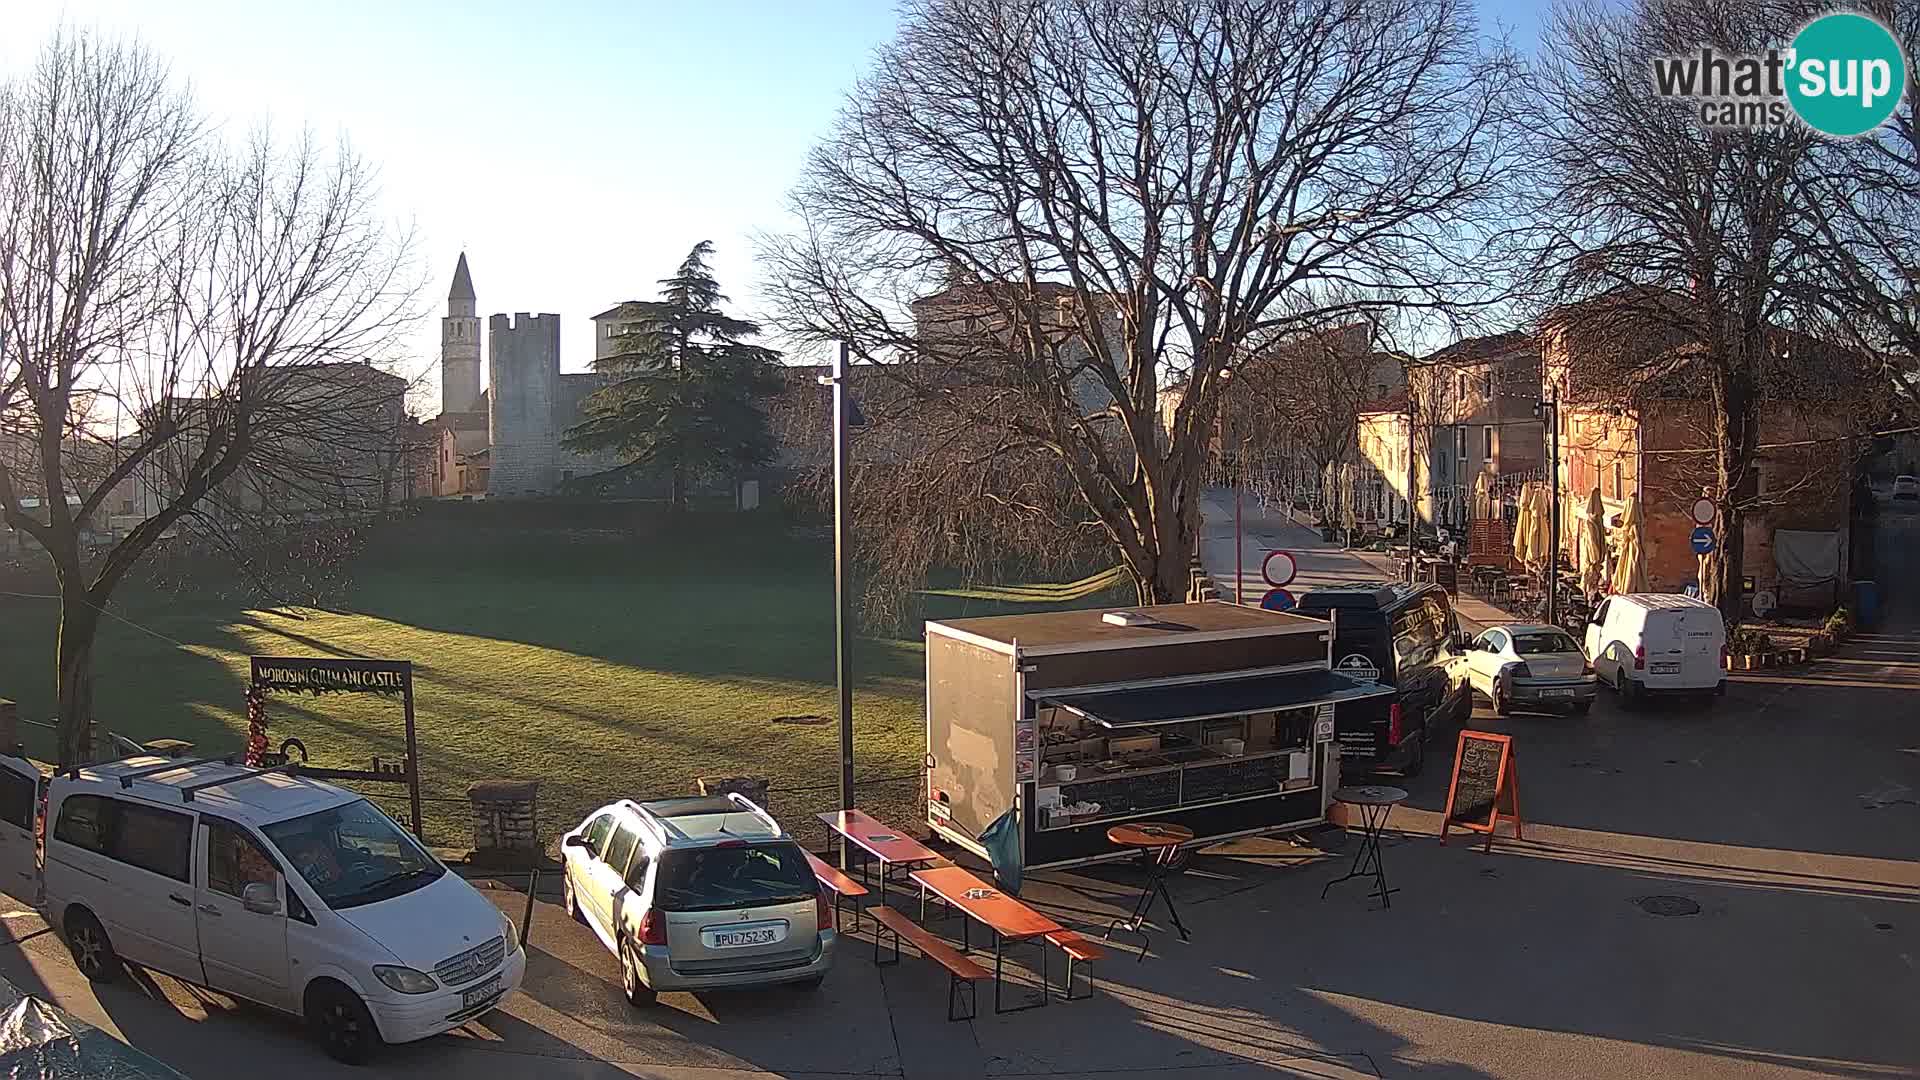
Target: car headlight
x,y
405,979
512,933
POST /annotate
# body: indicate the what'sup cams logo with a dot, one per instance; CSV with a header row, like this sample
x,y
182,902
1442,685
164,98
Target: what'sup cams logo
x,y
1843,75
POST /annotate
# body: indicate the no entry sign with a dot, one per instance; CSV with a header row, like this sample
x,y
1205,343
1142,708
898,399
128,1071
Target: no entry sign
x,y
1278,568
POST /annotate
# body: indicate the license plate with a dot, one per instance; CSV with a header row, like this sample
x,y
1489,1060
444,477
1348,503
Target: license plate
x,y
480,993
1568,692
1666,669
737,939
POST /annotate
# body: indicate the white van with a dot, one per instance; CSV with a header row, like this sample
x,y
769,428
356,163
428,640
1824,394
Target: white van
x,y
1649,643
265,885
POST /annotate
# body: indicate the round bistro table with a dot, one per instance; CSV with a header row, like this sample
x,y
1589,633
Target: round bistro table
x,y
1375,802
1163,840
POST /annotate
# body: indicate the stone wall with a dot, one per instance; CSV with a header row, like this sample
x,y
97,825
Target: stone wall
x,y
506,827
524,369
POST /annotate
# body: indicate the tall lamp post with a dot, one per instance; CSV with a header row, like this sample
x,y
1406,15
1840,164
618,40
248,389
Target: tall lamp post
x,y
1549,411
845,415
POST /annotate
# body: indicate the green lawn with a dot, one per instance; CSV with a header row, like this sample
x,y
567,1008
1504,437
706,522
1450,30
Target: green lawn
x,y
602,662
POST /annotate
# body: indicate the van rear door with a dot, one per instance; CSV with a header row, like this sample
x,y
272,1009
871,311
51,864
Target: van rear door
x,y
1700,634
20,788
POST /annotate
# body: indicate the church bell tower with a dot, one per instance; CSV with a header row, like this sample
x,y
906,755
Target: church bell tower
x,y
460,345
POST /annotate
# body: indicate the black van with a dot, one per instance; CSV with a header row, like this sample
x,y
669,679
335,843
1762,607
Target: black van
x,y
1401,636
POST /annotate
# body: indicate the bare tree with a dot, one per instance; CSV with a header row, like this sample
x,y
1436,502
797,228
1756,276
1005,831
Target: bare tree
x,y
1033,214
1677,253
220,303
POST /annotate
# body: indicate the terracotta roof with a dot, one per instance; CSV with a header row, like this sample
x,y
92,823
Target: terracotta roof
x,y
1478,350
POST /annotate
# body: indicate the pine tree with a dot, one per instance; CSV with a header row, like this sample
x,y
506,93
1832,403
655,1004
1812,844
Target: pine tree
x,y
684,392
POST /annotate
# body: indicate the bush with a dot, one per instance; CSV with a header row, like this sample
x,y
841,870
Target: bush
x,y
1839,624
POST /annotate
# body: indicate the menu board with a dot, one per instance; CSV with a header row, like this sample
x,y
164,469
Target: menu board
x,y
1127,794
1234,778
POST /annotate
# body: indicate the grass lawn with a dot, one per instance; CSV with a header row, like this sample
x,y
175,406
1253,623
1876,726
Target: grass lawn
x,y
601,663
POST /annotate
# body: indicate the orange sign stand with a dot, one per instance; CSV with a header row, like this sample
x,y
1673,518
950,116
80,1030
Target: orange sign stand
x,y
1485,785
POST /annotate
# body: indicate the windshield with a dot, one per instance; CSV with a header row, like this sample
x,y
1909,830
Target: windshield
x,y
708,879
353,855
1544,641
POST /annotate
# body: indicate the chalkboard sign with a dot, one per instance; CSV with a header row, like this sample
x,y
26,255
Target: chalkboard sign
x,y
1485,785
1232,779
1127,794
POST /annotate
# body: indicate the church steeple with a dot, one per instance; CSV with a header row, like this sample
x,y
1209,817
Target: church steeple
x,y
460,345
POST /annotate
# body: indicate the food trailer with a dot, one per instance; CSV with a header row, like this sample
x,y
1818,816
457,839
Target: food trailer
x,y
1213,716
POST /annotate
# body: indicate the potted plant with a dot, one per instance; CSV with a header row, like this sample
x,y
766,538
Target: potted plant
x,y
1840,625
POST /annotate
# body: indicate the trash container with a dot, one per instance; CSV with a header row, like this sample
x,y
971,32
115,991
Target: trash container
x,y
1866,604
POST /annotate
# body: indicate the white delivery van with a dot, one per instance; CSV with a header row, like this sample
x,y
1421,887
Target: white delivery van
x,y
262,884
1652,643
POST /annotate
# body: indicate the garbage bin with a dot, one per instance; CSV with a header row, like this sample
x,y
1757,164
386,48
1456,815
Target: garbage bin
x,y
1866,604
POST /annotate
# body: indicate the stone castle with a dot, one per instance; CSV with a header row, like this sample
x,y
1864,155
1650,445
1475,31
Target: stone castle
x,y
504,440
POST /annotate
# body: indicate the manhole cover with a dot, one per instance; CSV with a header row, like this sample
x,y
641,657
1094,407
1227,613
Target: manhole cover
x,y
1668,905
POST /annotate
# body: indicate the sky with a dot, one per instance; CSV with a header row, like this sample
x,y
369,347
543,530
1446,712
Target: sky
x,y
575,150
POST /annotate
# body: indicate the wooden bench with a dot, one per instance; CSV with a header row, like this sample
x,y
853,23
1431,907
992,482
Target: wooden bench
x,y
961,971
1080,950
845,889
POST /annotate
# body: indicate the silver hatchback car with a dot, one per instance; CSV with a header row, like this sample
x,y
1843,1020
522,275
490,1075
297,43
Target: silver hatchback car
x,y
697,893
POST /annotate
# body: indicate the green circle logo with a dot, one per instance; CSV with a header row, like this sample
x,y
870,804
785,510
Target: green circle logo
x,y
1848,74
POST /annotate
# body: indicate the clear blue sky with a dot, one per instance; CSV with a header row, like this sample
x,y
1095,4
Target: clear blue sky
x,y
574,149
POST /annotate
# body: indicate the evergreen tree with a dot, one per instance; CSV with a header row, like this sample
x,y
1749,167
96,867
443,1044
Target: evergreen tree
x,y
684,392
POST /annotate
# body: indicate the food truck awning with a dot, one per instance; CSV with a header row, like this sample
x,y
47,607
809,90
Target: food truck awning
x,y
1144,705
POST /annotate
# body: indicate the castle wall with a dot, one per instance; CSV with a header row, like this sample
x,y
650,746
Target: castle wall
x,y
524,371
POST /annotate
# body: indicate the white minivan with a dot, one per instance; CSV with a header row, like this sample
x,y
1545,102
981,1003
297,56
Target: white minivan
x,y
265,885
1652,643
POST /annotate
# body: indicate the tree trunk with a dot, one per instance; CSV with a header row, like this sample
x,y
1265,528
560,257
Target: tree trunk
x,y
1736,432
73,661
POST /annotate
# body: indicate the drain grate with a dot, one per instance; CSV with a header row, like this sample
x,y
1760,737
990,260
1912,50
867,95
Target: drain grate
x,y
1668,906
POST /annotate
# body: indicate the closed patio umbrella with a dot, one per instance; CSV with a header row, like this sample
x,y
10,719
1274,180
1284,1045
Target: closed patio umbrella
x,y
1630,567
1523,524
1593,545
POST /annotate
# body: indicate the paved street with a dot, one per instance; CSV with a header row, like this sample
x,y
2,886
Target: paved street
x,y
1789,814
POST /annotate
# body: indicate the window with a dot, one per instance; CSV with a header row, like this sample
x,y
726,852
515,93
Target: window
x,y
637,873
83,823
17,794
597,833
1460,443
1487,433
715,878
1534,643
133,833
621,849
1462,386
235,861
353,854
1619,480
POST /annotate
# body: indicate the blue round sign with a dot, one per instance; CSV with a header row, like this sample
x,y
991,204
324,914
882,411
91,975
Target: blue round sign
x,y
1703,541
1277,600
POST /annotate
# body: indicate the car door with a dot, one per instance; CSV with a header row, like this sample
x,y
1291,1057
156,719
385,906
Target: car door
x,y
20,784
608,882
1486,658
141,858
579,860
244,951
1596,642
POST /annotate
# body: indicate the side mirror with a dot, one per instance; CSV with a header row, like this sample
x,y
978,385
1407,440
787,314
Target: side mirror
x,y
260,898
576,840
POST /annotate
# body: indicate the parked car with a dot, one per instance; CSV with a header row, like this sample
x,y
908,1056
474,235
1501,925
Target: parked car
x,y
1657,643
269,886
697,893
1530,665
1906,487
1403,636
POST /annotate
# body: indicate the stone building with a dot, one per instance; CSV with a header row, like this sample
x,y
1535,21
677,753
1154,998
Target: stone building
x,y
505,440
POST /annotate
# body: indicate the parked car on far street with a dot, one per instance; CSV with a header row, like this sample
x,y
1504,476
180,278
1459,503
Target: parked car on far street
x,y
1906,487
696,894
1530,665
1658,643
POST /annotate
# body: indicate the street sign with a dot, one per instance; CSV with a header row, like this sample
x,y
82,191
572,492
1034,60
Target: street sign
x,y
1277,600
1278,568
1703,541
1703,511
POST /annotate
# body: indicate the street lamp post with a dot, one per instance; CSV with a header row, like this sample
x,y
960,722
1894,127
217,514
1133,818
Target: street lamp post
x,y
845,415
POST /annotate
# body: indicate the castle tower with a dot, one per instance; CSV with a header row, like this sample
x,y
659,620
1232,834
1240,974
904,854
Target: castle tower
x,y
460,345
524,358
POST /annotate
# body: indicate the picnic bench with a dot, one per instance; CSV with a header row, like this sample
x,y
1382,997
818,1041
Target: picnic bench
x,y
846,891
961,972
892,848
1078,950
1005,917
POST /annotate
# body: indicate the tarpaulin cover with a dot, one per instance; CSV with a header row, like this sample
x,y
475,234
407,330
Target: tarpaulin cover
x,y
1806,559
40,1042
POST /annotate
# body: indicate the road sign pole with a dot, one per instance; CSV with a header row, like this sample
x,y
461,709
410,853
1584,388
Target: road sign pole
x,y
842,616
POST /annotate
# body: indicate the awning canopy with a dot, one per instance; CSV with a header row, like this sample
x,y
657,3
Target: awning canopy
x,y
1144,705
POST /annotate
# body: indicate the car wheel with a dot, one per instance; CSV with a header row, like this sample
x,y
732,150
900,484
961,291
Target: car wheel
x,y
92,950
340,1021
1630,693
568,900
1501,705
1417,760
636,989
